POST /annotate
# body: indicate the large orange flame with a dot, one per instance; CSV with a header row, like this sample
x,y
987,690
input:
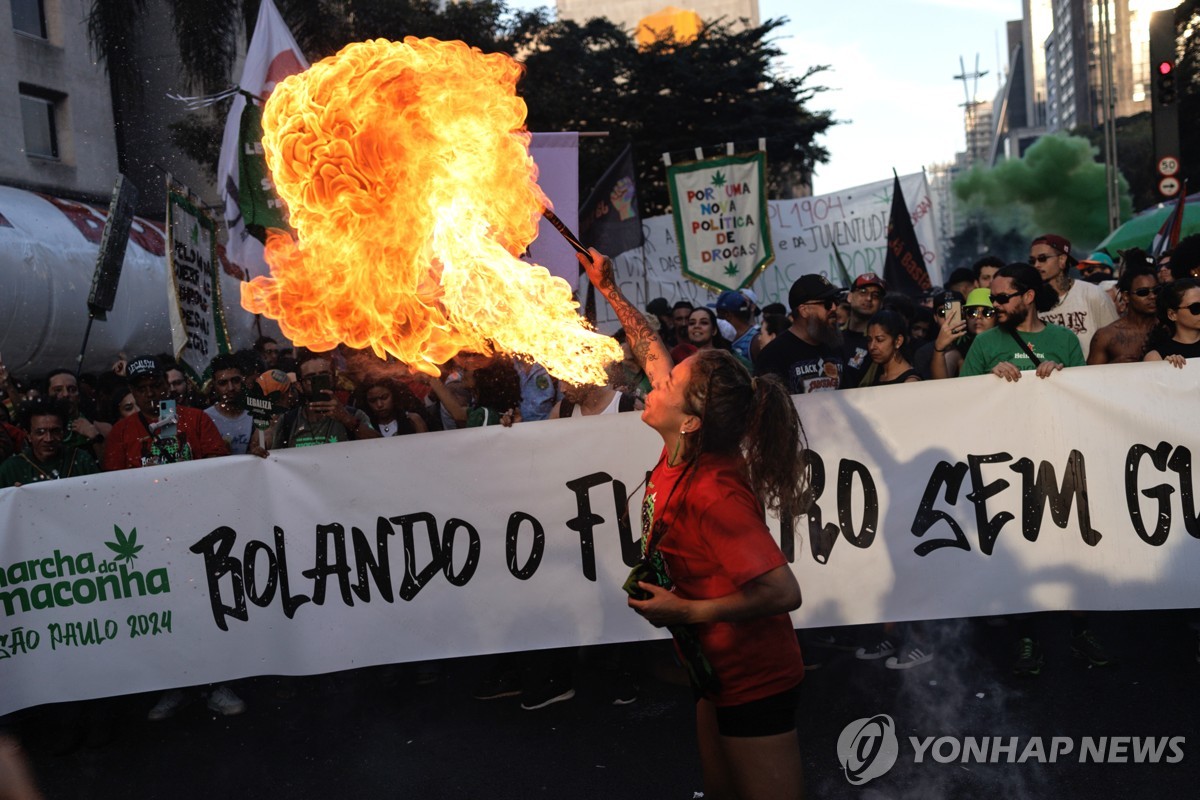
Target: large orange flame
x,y
406,173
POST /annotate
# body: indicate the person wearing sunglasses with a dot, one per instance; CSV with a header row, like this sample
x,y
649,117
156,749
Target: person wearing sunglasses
x,y
807,356
1125,340
1178,336
1021,341
1081,306
955,337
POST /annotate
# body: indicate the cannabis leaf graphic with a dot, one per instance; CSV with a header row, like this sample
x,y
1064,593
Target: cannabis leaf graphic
x,y
731,269
718,178
126,547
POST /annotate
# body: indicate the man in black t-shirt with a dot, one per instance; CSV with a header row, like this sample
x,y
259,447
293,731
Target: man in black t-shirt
x,y
807,357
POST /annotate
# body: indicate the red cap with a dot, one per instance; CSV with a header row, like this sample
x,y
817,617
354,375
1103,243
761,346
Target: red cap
x,y
1055,242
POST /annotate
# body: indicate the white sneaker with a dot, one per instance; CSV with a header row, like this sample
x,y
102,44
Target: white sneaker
x,y
168,704
881,649
223,701
909,658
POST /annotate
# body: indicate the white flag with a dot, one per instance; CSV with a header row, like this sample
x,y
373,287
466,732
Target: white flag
x,y
272,56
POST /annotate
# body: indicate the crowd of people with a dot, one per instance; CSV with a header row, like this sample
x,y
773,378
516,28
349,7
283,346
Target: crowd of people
x,y
1056,311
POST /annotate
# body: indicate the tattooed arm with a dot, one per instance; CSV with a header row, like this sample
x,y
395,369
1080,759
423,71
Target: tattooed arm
x,y
647,348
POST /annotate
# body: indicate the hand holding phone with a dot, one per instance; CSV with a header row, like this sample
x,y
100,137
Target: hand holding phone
x,y
167,426
953,312
320,388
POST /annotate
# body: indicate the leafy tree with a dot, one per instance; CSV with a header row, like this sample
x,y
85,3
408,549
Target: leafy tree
x,y
671,97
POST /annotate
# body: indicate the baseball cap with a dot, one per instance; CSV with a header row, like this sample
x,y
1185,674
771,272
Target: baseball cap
x,y
727,330
143,366
979,297
811,287
731,301
947,296
869,279
1100,257
1056,243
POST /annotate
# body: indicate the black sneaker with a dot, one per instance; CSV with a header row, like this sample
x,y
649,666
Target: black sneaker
x,y
624,689
831,641
497,685
1085,645
546,694
1029,658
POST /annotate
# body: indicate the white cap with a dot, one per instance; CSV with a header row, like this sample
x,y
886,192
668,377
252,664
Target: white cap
x,y
727,330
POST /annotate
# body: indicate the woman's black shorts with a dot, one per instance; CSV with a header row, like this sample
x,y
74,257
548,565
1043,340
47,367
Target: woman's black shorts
x,y
768,716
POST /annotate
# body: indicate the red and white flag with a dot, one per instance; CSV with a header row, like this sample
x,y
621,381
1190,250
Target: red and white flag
x,y
272,56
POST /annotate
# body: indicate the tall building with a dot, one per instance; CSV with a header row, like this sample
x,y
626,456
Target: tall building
x,y
56,112
1068,97
1055,81
628,13
947,221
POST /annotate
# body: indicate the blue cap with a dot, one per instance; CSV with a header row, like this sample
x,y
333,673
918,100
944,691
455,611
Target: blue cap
x,y
731,301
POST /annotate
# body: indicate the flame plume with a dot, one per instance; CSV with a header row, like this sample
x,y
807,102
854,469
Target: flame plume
x,y
406,173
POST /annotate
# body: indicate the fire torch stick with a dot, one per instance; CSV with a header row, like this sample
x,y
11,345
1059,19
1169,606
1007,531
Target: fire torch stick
x,y
565,231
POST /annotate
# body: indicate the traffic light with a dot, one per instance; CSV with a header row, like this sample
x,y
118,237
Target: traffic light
x,y
1164,100
1164,79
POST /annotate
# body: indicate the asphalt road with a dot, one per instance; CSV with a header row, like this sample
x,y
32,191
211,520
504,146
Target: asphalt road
x,y
375,734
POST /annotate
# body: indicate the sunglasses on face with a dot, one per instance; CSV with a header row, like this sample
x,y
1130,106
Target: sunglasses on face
x,y
1193,309
1042,259
974,312
828,304
1000,298
1145,291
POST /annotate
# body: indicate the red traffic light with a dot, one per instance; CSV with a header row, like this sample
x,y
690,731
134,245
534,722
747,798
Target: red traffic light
x,y
1165,67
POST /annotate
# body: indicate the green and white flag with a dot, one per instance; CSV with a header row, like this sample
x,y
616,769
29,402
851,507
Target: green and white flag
x,y
193,290
720,209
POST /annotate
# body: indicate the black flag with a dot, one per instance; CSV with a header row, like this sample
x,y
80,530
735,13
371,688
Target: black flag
x,y
608,219
904,267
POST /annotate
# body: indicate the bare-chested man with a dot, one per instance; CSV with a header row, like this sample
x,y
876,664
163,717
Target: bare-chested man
x,y
1125,340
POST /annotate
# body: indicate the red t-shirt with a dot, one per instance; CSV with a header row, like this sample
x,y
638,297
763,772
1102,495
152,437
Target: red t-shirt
x,y
716,540
127,443
17,435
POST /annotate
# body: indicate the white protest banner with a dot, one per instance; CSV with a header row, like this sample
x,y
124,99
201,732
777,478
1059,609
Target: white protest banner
x,y
950,498
720,212
194,288
804,231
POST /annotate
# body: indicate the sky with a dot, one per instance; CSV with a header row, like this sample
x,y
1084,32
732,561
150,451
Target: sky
x,y
892,72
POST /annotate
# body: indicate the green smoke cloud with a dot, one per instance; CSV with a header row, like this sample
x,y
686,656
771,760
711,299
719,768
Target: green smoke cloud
x,y
1056,187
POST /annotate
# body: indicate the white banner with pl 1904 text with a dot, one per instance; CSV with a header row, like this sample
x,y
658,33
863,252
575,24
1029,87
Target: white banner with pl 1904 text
x,y
807,235
943,499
